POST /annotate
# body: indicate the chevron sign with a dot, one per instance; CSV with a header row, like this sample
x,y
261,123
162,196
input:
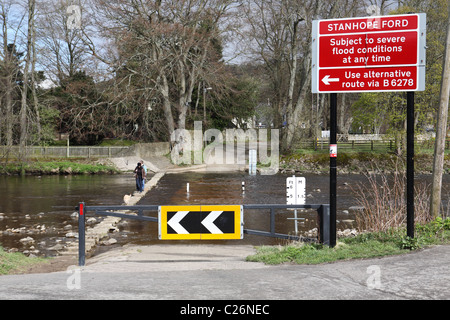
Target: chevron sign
x,y
200,222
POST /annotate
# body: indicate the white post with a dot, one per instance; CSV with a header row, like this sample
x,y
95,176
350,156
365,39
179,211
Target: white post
x,y
296,223
252,162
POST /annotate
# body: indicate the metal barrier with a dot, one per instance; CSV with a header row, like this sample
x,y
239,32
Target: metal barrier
x,y
323,211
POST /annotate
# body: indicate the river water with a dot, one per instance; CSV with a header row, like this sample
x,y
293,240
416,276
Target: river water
x,y
41,207
29,203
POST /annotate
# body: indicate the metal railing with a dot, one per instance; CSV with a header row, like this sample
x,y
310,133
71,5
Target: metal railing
x,y
137,213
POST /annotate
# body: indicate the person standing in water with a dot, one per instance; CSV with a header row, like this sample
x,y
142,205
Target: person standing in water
x,y
139,174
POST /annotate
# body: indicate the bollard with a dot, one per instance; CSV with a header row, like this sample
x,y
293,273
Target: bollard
x,y
187,187
81,236
243,186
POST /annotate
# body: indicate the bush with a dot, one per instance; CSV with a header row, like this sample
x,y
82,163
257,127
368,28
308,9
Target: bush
x,y
384,201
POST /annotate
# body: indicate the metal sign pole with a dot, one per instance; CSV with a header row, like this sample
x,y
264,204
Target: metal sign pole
x,y
410,164
333,156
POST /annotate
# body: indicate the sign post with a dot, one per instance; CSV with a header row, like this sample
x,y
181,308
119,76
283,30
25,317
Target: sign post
x,y
370,54
410,164
333,167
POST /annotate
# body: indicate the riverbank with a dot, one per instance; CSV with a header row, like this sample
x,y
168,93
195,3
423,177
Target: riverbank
x,y
315,163
54,167
357,163
11,263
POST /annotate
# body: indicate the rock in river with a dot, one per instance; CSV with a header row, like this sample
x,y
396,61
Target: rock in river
x,y
27,241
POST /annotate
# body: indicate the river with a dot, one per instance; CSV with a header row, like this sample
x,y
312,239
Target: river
x,y
31,202
40,207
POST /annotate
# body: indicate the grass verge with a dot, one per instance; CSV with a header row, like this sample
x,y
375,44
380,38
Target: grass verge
x,y
15,262
365,245
56,167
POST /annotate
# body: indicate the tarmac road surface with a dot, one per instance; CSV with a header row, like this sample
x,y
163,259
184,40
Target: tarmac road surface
x,y
209,272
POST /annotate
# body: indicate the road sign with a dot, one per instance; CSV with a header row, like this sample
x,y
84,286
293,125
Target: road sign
x,y
295,190
385,53
200,222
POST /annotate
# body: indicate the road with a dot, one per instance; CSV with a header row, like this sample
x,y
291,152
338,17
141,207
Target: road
x,y
209,272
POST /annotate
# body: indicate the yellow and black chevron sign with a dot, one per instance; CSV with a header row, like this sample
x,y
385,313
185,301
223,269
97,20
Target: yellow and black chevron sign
x,y
207,222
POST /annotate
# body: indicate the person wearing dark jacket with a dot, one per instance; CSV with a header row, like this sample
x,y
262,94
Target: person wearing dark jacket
x,y
139,174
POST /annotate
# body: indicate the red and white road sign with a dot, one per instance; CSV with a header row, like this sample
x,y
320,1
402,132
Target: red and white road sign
x,y
384,53
368,79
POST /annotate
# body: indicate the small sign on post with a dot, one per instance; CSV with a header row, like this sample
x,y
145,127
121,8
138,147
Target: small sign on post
x,y
295,190
333,150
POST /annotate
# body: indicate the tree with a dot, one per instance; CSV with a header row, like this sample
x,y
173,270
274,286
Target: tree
x,y
24,106
10,65
84,112
233,105
164,48
370,112
279,34
441,132
63,48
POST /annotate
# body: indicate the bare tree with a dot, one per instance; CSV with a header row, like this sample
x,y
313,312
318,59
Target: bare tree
x,y
165,46
279,34
9,63
441,132
24,104
62,48
17,56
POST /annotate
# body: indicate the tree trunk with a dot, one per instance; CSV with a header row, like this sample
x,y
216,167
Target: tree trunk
x,y
24,107
441,131
167,106
9,85
33,81
9,116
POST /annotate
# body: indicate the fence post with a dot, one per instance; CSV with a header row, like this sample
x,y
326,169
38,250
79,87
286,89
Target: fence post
x,y
272,220
81,236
